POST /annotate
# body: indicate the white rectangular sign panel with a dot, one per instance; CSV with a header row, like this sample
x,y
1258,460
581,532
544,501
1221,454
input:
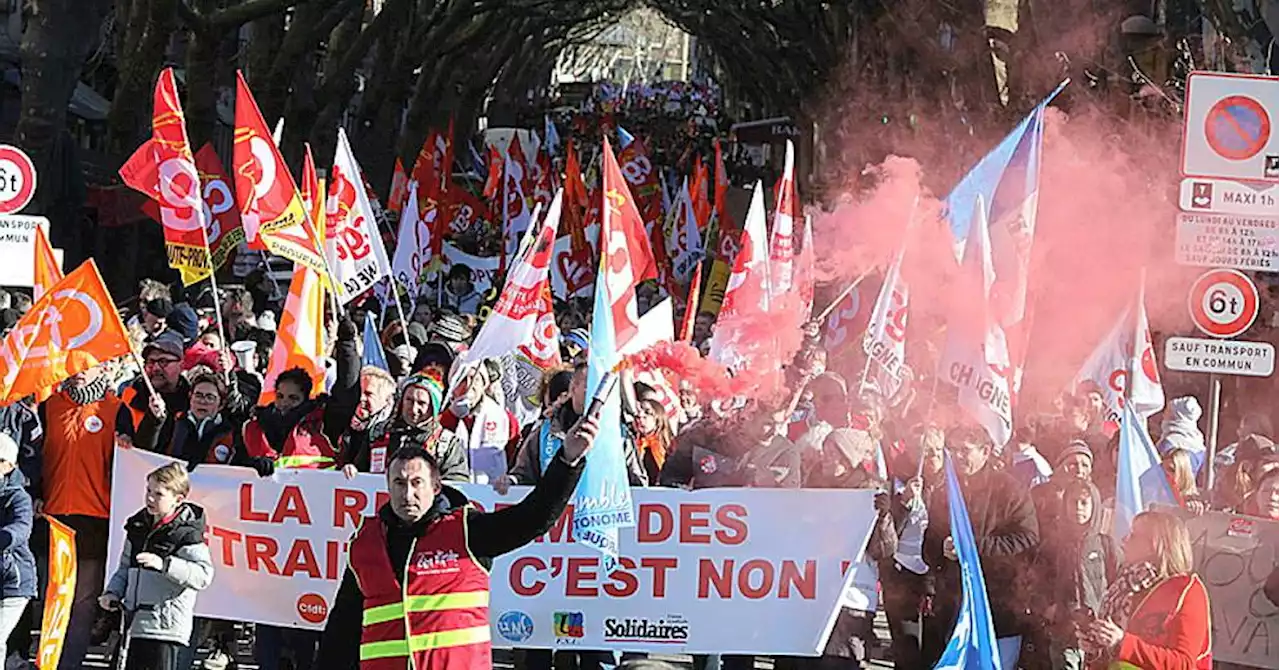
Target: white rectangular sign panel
x,y
1228,241
1256,198
1226,357
694,561
17,248
1230,127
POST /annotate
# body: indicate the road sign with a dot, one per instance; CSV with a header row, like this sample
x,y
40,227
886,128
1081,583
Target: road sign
x,y
1230,127
1223,303
1228,240
17,244
1226,357
1256,198
17,179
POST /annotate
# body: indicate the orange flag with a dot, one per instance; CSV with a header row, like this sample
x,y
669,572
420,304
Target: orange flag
x,y
574,215
58,595
494,179
47,270
270,207
300,336
72,328
399,188
164,169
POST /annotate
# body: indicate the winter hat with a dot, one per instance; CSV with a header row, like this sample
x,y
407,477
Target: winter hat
x,y
267,321
855,445
183,321
578,337
1076,447
1253,446
8,449
433,386
418,334
451,328
167,342
202,354
1179,429
158,307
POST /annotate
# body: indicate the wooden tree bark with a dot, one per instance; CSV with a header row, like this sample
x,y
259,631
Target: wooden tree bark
x,y
140,59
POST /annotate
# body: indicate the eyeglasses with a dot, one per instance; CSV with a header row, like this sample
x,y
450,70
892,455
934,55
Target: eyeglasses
x,y
159,362
206,397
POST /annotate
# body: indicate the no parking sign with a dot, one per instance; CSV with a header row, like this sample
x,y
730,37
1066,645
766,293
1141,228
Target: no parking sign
x,y
1230,127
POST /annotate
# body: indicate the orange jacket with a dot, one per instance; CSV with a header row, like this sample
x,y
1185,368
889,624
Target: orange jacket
x,y
78,446
1169,629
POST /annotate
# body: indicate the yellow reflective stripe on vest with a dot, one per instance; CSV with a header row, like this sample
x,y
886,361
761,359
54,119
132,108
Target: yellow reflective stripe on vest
x,y
448,638
300,461
432,603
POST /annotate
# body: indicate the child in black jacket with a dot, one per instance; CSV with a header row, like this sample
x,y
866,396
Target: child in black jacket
x,y
1081,564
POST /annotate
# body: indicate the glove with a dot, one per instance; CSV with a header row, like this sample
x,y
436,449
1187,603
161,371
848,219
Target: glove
x,y
265,466
346,330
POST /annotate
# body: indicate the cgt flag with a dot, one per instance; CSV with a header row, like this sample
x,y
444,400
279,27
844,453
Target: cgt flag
x,y
72,328
1124,364
271,209
626,257
782,244
59,594
353,246
223,224
164,169
973,639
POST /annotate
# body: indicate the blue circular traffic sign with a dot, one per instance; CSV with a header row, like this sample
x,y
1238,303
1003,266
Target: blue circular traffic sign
x,y
1237,127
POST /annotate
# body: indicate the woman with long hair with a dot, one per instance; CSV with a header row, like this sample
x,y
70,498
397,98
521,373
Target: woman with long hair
x,y
1155,615
1180,471
1264,500
653,436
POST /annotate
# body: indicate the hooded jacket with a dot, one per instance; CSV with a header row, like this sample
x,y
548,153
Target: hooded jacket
x,y
17,563
527,468
1079,561
163,601
489,535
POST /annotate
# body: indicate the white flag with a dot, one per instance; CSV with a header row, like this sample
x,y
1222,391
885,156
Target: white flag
x,y
407,262
976,356
522,319
782,245
684,244
1116,359
750,275
885,342
353,245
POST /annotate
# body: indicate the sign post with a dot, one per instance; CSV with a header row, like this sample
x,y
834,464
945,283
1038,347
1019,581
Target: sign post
x,y
1231,163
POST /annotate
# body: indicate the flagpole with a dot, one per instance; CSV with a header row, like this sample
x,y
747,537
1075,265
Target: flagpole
x,y
213,284
843,294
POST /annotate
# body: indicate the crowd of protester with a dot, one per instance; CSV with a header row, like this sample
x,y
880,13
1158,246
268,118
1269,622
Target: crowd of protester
x,y
1070,596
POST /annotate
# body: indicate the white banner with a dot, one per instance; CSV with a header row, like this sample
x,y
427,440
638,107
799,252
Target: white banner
x,y
693,561
484,269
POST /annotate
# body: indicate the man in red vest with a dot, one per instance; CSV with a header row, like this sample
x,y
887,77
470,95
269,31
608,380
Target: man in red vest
x,y
418,583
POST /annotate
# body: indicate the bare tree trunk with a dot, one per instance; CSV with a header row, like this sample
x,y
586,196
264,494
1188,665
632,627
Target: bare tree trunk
x,y
53,53
201,104
137,65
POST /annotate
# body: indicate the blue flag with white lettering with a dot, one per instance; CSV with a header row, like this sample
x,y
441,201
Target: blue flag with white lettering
x,y
373,354
973,640
602,502
1140,481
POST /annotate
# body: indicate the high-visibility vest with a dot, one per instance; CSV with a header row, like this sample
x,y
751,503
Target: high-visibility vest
x,y
307,447
438,619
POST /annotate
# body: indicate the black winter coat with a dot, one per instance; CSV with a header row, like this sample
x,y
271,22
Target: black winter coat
x,y
1007,533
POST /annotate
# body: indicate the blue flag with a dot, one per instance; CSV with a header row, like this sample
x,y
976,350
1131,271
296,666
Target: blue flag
x,y
602,502
1140,481
973,640
1004,178
373,354
624,138
550,136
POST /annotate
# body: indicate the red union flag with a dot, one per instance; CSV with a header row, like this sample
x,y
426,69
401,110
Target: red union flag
x,y
625,256
270,208
522,319
164,169
222,218
782,244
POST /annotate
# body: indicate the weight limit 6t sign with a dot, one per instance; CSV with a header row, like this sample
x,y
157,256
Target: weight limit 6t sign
x,y
1223,303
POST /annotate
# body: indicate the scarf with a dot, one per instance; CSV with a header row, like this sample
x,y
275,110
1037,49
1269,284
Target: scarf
x,y
652,445
1132,580
89,393
358,425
